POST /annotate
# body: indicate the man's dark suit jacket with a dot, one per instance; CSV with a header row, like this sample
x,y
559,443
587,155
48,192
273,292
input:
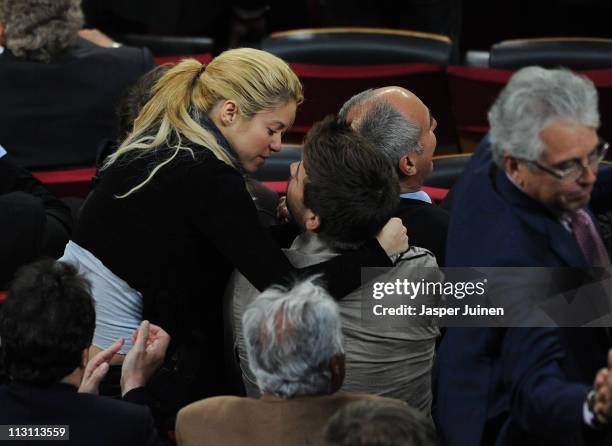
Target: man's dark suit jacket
x,y
512,386
53,115
427,225
93,420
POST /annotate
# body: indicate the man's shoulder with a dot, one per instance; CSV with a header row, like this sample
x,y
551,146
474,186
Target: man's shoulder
x,y
85,48
215,408
338,400
410,206
138,60
113,406
96,405
58,405
485,227
358,396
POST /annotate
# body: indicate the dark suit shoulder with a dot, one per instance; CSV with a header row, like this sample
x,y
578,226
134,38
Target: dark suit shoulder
x,y
140,58
413,212
93,419
427,226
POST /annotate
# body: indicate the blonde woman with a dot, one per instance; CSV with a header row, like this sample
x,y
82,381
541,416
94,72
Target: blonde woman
x,y
171,216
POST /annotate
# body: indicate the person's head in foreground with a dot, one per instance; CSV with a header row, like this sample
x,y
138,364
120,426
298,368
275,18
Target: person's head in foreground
x,y
379,423
543,129
39,30
294,341
399,125
46,328
249,95
343,189
46,324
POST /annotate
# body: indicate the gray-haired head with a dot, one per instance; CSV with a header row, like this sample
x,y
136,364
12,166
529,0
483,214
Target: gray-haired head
x,y
351,106
375,118
533,99
291,336
40,30
379,423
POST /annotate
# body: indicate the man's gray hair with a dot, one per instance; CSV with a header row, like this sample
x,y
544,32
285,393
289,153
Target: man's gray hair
x,y
386,128
358,100
40,30
290,336
534,99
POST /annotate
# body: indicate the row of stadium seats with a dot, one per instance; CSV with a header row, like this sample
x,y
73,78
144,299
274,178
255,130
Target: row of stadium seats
x,y
335,63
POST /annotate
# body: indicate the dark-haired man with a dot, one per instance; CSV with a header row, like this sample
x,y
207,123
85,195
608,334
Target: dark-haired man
x,y
342,193
46,327
401,127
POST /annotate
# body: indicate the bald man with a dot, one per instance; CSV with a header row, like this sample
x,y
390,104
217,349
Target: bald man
x,y
398,123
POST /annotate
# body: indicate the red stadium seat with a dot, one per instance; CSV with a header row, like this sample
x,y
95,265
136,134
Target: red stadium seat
x,y
336,63
437,194
590,56
602,79
3,296
327,87
68,183
473,90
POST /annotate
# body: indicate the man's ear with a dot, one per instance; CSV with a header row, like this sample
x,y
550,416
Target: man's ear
x,y
311,220
2,35
407,164
228,112
513,169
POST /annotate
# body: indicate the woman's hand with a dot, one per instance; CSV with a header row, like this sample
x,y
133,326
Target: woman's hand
x,y
149,345
97,367
392,237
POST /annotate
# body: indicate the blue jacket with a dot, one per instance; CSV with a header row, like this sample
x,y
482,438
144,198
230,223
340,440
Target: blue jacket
x,y
516,385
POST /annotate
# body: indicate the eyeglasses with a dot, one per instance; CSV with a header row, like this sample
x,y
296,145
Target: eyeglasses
x,y
573,169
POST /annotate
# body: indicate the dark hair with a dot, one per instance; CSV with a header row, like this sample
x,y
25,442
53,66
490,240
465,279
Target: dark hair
x,y
135,98
379,423
350,185
46,322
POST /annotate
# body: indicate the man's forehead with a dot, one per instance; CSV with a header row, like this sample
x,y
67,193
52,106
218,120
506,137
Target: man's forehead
x,y
563,140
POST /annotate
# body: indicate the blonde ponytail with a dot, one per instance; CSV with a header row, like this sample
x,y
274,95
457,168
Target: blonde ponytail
x,y
256,80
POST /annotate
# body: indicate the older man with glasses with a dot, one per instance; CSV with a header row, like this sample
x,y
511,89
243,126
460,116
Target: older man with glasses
x,y
529,207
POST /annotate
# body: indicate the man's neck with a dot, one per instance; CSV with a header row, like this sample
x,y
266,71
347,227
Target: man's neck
x,y
74,379
408,187
309,243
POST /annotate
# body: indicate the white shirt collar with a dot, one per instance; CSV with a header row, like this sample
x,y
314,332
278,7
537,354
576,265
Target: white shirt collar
x,y
418,195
